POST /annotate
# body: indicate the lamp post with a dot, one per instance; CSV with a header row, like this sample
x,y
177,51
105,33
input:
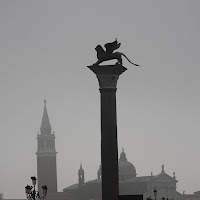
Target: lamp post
x,y
33,194
155,193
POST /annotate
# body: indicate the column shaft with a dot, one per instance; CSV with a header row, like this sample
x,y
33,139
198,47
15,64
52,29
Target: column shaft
x,y
107,76
109,145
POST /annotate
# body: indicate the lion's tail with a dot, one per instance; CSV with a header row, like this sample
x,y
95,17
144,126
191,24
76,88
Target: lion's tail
x,y
129,60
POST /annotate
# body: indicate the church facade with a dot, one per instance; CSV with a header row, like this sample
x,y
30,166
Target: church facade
x,y
129,183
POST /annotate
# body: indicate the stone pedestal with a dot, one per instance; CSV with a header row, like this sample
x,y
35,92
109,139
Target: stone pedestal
x,y
107,76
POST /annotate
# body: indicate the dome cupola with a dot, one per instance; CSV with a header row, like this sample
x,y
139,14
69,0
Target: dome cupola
x,y
122,156
126,169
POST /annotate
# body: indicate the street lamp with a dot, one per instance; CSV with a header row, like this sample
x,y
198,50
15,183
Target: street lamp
x,y
33,194
155,193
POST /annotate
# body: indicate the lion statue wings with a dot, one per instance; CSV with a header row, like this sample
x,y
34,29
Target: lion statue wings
x,y
109,54
110,47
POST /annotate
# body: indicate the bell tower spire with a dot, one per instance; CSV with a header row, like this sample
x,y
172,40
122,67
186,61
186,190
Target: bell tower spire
x,y
46,155
45,125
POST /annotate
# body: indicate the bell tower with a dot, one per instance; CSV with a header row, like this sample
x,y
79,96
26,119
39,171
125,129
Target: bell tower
x,y
81,178
46,155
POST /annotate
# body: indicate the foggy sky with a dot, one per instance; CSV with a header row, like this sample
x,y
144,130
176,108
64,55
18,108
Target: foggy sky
x,y
45,47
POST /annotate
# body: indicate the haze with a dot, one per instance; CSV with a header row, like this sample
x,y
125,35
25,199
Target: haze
x,y
45,48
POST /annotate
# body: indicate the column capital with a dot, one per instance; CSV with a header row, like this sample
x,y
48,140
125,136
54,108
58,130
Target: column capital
x,y
107,75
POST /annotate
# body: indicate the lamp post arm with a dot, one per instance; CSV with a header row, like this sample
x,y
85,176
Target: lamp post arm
x,y
34,193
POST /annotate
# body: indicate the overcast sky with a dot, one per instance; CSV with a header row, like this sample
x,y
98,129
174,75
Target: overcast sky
x,y
45,48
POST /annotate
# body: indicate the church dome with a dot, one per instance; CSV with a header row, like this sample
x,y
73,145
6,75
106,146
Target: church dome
x,y
126,169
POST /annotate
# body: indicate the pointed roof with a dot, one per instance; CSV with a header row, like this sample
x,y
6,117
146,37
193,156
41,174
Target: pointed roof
x,y
81,171
45,125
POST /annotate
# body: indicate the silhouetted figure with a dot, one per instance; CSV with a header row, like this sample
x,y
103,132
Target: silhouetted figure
x,y
103,55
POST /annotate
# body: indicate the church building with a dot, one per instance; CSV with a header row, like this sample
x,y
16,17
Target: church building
x,y
129,182
46,155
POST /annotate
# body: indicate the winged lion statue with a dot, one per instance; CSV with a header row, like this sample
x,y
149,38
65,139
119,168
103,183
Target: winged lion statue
x,y
109,54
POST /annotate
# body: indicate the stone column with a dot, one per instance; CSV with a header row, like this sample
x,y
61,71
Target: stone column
x,y
107,76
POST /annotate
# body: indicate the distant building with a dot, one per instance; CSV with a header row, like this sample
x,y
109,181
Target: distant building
x,y
46,161
46,155
194,196
129,182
